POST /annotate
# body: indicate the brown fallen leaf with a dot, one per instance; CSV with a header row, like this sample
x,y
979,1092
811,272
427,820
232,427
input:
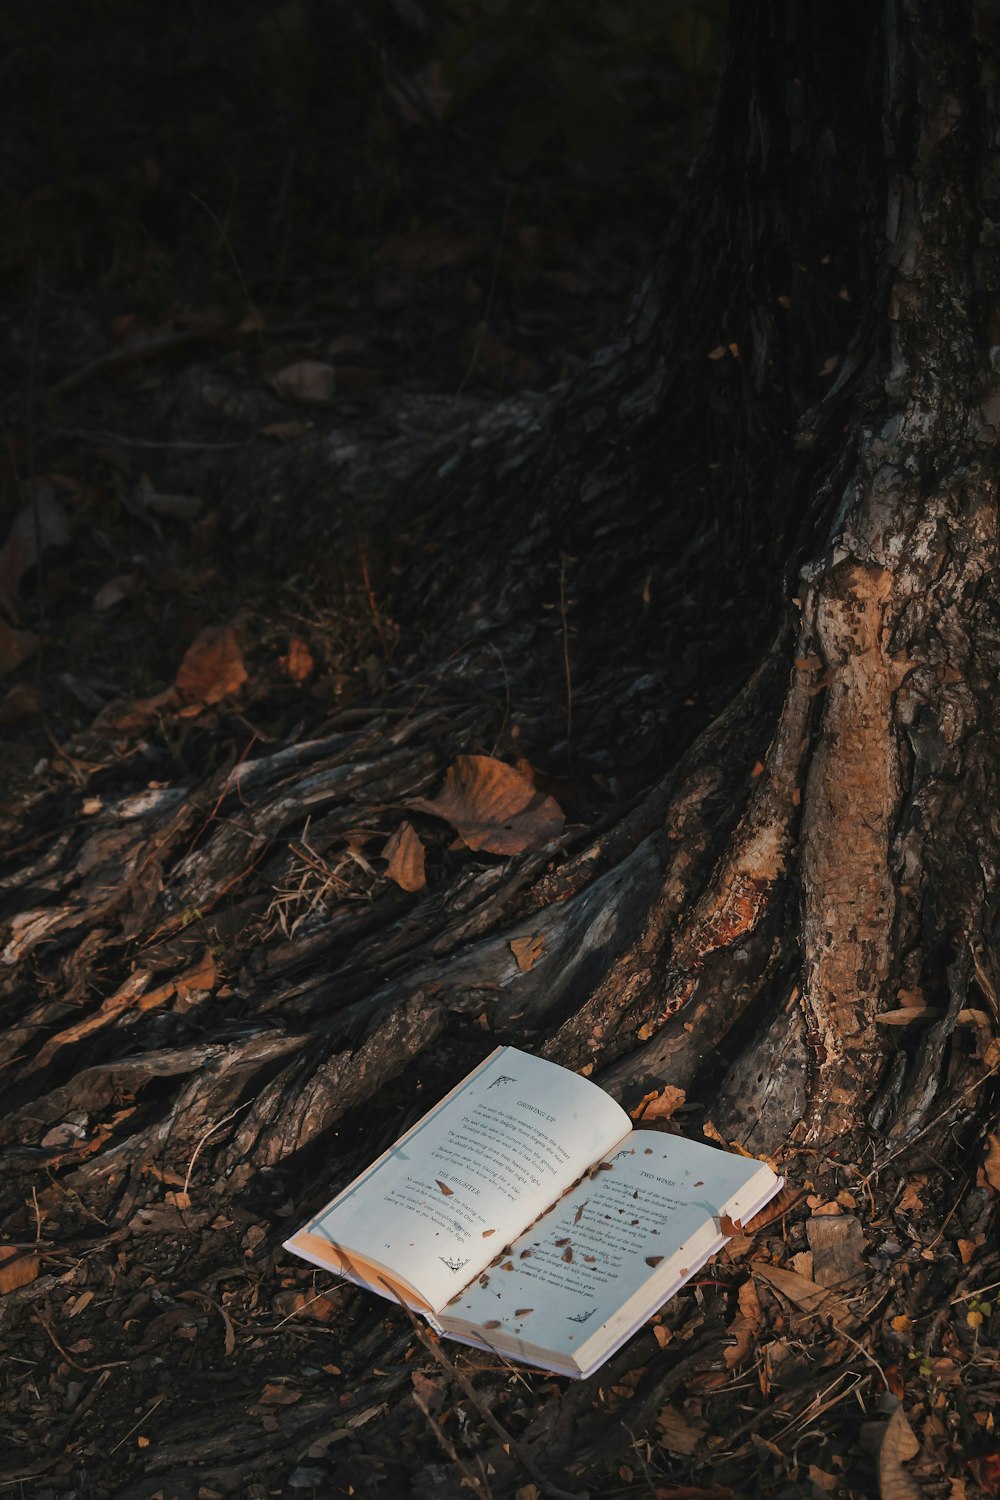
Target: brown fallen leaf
x,y
42,523
653,1260
199,977
493,807
899,1443
745,1327
448,1192
677,1434
729,1227
661,1104
805,1294
306,380
991,1162
212,668
405,854
427,250
17,1268
910,1198
527,951
284,432
298,662
279,1395
15,646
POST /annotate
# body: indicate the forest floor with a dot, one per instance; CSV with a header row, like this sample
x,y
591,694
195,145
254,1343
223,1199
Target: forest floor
x,y
222,268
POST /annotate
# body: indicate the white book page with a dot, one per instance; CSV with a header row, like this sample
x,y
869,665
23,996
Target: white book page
x,y
612,1250
469,1176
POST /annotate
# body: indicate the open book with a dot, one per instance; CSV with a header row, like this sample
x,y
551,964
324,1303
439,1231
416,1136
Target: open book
x,y
523,1214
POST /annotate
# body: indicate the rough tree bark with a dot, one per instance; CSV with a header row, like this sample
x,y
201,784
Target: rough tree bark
x,y
775,500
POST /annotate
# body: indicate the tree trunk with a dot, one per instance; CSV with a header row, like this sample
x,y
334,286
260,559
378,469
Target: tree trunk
x,y
746,567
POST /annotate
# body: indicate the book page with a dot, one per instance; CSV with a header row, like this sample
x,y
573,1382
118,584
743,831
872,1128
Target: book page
x,y
611,1250
468,1177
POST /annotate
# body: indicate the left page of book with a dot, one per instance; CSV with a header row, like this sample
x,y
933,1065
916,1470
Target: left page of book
x,y
480,1167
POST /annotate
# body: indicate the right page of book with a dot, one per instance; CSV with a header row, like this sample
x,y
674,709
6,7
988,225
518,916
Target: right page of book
x,y
592,1269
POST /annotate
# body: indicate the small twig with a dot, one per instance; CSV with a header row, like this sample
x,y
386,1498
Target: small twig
x,y
296,1311
869,1357
111,1364
484,323
38,1216
563,559
136,1425
479,1485
966,1296
211,1131
370,595
224,235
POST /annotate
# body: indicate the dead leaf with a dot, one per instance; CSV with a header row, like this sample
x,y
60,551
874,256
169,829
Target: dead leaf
x,y
991,1162
42,523
212,668
15,646
910,1198
405,854
494,807
444,1187
298,662
17,1268
279,1395
428,250
899,1443
744,1328
527,951
200,977
805,1294
306,380
729,1227
676,1433
661,1104
822,1480
285,431
22,700
653,1260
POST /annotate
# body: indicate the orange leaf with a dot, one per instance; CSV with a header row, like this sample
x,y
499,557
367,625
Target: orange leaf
x,y
661,1104
279,1395
201,976
212,668
17,1268
527,951
298,663
405,854
991,1162
444,1187
494,807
